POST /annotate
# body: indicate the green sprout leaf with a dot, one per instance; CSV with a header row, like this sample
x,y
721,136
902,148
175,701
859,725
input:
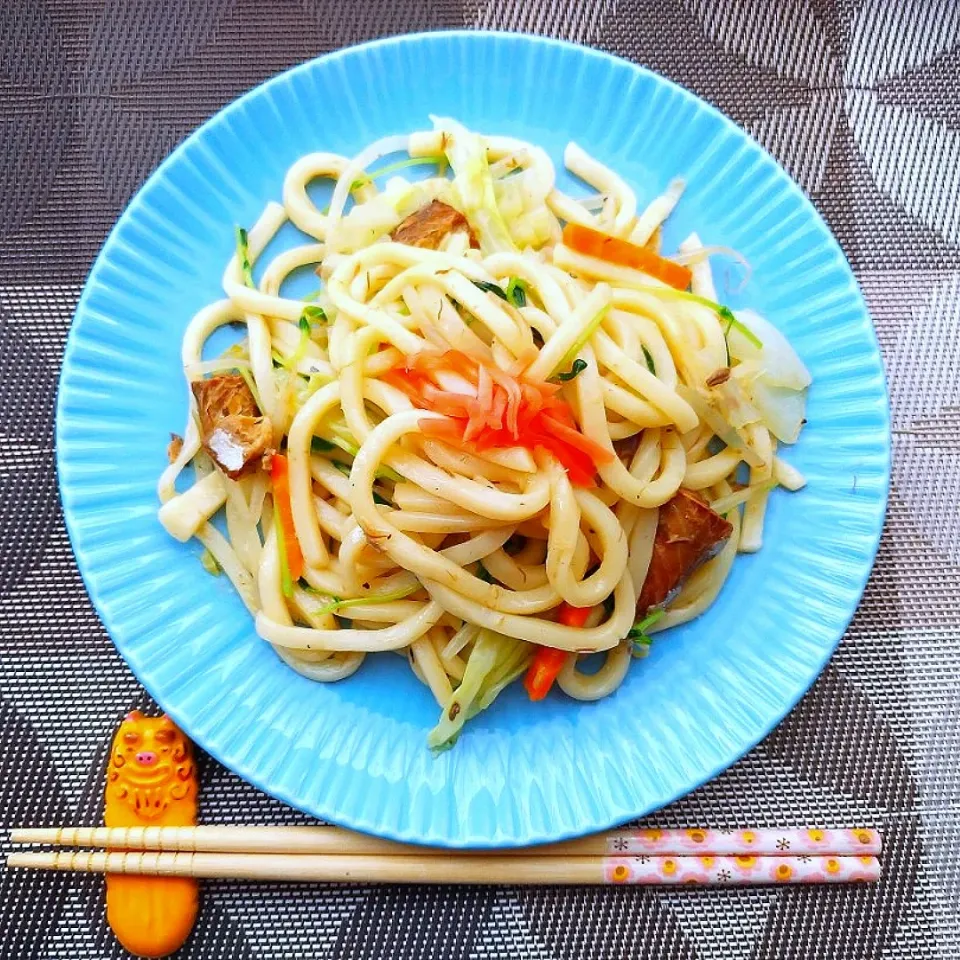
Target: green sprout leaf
x,y
243,255
517,292
488,287
638,637
578,367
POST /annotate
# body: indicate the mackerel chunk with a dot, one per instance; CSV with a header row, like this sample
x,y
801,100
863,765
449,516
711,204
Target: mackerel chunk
x,y
688,533
232,429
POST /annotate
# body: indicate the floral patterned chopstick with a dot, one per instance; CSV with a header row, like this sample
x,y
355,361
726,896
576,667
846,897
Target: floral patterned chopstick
x,y
757,842
737,857
740,870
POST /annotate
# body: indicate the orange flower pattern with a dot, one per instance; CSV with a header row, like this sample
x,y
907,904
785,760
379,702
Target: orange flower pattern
x,y
760,842
682,869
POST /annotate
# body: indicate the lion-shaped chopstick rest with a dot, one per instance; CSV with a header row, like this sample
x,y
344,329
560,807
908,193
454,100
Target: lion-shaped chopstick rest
x,y
151,782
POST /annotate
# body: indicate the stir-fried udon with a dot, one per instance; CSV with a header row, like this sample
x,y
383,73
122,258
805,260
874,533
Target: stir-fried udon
x,y
506,432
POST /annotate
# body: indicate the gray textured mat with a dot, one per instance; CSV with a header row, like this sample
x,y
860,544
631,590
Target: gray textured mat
x,y
861,102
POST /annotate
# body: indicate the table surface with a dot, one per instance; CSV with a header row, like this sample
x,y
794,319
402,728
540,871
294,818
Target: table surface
x,y
860,101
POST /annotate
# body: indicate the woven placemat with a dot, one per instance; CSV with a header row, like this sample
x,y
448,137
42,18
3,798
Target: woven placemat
x,y
861,102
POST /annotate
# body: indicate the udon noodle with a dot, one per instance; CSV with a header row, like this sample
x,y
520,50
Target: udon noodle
x,y
458,449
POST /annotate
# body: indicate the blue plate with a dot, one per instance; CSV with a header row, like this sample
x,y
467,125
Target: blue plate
x,y
354,752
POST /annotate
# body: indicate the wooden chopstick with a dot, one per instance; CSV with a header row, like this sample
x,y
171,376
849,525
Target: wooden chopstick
x,y
336,841
330,854
248,839
457,869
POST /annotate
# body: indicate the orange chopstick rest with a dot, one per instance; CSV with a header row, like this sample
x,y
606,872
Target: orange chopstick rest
x,y
151,782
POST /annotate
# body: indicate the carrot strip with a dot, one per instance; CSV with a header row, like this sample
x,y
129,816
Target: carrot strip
x,y
505,411
280,479
579,467
559,411
593,243
449,430
499,408
474,428
402,382
532,399
576,439
451,404
514,396
571,616
547,663
484,387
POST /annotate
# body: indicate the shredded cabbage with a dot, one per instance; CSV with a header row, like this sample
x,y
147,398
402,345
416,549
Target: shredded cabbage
x,y
711,416
336,603
588,331
781,408
494,662
778,361
734,406
474,184
367,222
771,376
